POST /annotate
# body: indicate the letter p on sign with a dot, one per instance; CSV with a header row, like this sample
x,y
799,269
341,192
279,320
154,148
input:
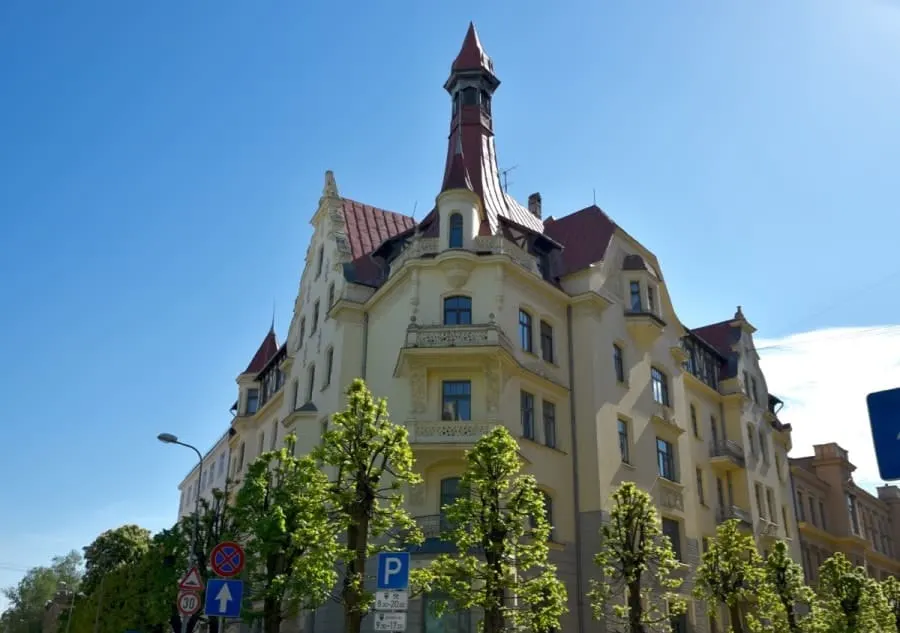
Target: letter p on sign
x,y
393,570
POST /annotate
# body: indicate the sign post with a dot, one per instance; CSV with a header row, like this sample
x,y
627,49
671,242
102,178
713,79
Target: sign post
x,y
884,417
189,587
392,595
225,594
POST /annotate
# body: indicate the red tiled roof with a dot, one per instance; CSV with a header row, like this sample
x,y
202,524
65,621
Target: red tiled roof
x,y
267,349
584,235
720,335
368,226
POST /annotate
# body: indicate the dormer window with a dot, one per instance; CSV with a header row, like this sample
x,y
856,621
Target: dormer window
x,y
456,231
252,401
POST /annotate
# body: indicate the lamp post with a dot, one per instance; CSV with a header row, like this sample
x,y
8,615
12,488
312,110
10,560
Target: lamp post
x,y
168,438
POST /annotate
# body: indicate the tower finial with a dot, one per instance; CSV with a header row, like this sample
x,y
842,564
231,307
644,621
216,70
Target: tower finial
x,y
272,326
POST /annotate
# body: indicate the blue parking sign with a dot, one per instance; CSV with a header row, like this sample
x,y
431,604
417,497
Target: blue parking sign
x,y
393,570
884,416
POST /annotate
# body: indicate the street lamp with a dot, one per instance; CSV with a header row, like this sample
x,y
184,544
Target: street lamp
x,y
168,438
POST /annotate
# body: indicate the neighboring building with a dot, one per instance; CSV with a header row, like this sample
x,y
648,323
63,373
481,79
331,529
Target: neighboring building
x,y
215,467
836,515
562,330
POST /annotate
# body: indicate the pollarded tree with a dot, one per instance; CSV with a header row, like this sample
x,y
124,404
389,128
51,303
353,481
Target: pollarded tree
x,y
890,587
370,462
281,514
732,574
638,593
785,578
501,532
848,601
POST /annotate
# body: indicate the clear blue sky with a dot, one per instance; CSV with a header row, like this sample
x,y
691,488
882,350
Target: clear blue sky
x,y
160,162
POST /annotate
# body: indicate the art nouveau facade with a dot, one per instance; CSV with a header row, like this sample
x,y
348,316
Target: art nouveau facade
x,y
563,330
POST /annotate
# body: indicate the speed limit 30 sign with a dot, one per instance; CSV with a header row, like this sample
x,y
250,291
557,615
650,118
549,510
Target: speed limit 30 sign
x,y
188,603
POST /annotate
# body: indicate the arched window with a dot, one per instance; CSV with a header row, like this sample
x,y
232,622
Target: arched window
x,y
458,310
450,490
456,231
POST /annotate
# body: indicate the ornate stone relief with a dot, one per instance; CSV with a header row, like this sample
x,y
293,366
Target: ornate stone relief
x,y
418,390
414,297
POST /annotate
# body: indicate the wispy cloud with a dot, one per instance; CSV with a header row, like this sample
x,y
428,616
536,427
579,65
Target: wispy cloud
x,y
824,376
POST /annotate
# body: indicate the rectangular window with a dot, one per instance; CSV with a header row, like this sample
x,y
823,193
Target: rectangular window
x,y
665,459
651,300
854,513
701,495
812,510
635,292
302,333
330,296
822,515
784,518
746,383
241,454
624,441
753,390
456,400
320,258
311,383
525,338
801,511
760,505
695,427
527,406
660,384
547,342
329,365
315,318
262,443
458,310
618,363
549,411
672,530
252,401
770,500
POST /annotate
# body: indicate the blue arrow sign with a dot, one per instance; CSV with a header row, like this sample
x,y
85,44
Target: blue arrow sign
x,y
884,416
393,570
223,597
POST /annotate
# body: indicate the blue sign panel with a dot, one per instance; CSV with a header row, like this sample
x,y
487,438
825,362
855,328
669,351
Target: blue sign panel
x,y
393,570
884,416
223,597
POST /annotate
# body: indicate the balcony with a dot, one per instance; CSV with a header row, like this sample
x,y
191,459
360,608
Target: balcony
x,y
727,455
481,245
442,433
664,417
452,345
644,327
728,513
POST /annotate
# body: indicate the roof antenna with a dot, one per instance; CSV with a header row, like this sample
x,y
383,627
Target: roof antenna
x,y
595,195
504,174
415,206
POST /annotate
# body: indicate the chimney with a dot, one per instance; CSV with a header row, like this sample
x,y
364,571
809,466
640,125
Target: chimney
x,y
534,204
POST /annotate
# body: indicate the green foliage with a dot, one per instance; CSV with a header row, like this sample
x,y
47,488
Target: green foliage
x,y
848,601
40,585
370,461
281,514
891,590
124,545
638,593
501,533
784,578
732,574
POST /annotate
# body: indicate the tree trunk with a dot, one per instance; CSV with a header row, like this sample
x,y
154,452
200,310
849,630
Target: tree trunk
x,y
494,620
734,613
357,541
793,627
635,607
271,615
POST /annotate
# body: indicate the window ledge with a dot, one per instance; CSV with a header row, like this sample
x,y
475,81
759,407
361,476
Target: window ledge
x,y
628,465
555,449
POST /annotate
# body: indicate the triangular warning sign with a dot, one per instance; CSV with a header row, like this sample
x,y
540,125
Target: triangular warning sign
x,y
191,581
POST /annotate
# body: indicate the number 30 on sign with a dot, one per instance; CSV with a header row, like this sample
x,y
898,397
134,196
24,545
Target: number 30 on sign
x,y
188,603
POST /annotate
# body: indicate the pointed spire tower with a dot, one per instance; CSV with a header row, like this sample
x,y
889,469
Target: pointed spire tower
x,y
471,165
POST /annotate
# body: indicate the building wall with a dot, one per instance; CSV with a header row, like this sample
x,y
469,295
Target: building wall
x,y
836,515
215,472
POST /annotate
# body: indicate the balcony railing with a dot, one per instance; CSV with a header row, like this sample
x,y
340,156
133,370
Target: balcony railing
x,y
448,432
475,335
493,244
726,513
728,449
